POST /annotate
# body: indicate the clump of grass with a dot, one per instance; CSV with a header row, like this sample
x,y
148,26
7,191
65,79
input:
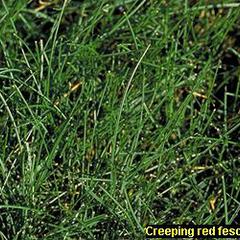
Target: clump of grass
x,y
117,114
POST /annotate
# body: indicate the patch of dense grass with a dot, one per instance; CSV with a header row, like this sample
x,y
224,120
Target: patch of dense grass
x,y
117,114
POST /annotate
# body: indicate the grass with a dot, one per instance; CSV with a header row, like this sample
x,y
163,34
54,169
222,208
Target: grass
x,y
117,114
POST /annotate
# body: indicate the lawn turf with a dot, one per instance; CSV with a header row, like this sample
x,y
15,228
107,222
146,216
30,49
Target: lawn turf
x,y
118,114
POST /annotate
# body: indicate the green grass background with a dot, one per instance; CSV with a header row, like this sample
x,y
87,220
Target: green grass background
x,y
117,114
